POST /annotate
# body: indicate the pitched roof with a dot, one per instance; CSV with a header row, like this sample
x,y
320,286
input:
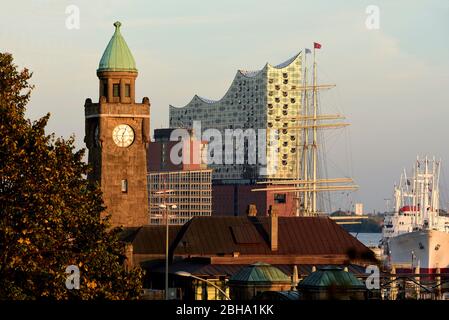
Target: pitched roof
x,y
250,235
149,239
227,235
117,56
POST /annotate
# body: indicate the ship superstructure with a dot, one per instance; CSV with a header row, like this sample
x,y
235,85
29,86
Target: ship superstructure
x,y
416,233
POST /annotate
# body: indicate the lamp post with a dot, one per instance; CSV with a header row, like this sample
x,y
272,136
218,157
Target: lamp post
x,y
189,275
166,207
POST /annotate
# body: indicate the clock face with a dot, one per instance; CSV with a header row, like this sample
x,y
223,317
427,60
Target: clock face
x,y
123,135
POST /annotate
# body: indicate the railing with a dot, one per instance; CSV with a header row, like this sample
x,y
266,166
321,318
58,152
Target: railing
x,y
399,286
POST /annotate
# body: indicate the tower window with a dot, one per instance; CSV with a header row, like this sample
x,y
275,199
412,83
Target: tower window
x,y
124,186
127,90
116,90
105,89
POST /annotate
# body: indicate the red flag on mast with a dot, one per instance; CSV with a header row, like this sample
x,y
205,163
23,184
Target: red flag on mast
x,y
316,45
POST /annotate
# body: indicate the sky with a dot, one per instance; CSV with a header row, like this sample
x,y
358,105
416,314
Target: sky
x,y
392,82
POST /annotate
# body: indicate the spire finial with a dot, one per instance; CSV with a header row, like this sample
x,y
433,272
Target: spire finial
x,y
117,25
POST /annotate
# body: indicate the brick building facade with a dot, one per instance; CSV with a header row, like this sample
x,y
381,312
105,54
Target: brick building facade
x,y
117,134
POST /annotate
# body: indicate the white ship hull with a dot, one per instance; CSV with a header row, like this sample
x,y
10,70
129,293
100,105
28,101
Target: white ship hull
x,y
426,249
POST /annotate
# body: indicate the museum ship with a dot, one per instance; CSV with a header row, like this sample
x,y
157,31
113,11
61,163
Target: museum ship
x,y
416,233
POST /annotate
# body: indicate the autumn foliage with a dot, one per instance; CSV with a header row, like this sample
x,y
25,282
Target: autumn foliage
x,y
49,213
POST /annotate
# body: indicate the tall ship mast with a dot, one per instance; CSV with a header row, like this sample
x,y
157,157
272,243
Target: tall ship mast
x,y
416,233
308,183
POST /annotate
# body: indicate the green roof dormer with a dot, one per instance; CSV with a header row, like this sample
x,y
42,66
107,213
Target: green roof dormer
x,y
117,56
259,273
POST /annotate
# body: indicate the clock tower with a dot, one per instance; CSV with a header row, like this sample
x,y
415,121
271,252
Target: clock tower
x,y
117,133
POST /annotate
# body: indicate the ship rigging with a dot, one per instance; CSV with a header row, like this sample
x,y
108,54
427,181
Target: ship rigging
x,y
307,185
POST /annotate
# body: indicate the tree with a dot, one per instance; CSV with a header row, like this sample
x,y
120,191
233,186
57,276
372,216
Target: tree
x,y
50,216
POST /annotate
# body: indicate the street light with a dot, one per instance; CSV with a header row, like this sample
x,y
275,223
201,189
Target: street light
x,y
189,275
166,206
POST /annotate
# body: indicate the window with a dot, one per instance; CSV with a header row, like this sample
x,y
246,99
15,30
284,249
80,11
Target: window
x,y
125,186
105,89
116,90
280,198
127,90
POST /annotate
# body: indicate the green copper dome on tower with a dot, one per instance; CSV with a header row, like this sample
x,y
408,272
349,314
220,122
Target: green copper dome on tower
x,y
117,56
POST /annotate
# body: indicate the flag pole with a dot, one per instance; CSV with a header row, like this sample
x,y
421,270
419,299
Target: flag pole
x,y
305,147
314,145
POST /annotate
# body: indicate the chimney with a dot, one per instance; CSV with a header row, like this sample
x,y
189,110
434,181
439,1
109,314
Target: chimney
x,y
295,278
252,210
274,229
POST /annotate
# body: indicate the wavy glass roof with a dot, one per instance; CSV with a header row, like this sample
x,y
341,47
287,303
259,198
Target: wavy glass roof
x,y
247,74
